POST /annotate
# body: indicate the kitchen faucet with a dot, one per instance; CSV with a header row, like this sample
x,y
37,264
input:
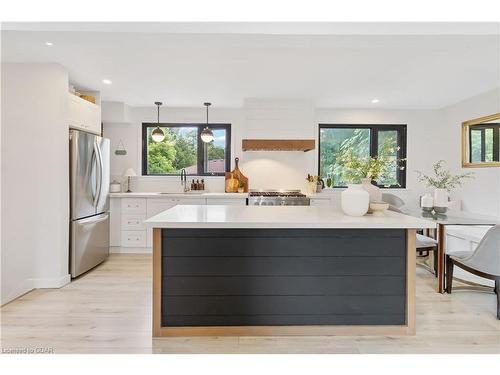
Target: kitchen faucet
x,y
184,180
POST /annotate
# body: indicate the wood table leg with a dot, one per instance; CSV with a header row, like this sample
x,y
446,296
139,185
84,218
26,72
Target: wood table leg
x,y
440,258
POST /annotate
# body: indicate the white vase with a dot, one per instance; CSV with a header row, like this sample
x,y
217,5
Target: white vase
x,y
427,202
373,191
440,198
355,200
311,187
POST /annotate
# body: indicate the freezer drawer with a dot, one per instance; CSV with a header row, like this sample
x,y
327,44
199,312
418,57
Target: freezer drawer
x,y
89,243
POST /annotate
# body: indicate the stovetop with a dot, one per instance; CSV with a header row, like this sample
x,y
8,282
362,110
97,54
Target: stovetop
x,y
276,193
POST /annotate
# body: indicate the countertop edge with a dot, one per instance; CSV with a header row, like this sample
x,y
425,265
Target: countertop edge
x,y
272,225
179,195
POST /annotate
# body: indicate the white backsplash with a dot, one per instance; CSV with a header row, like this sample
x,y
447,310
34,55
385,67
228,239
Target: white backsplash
x,y
213,184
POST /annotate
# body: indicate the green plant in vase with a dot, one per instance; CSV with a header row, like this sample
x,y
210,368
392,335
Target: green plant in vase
x,y
443,182
443,178
356,168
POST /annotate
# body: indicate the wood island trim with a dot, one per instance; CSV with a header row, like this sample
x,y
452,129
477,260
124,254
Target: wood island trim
x,y
297,330
157,329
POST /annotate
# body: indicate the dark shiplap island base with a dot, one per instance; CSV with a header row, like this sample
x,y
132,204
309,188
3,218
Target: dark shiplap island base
x,y
255,281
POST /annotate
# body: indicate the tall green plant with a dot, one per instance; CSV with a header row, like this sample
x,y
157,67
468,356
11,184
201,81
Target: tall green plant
x,y
381,168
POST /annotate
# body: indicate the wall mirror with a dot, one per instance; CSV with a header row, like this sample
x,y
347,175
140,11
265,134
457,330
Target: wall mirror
x,y
481,142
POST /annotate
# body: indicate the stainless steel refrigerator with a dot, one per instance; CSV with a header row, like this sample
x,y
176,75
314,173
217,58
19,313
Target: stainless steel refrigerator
x,y
89,188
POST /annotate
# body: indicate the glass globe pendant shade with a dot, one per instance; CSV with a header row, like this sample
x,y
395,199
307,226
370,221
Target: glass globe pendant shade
x,y
157,134
207,135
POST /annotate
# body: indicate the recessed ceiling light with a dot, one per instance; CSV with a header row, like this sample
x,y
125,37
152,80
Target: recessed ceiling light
x,y
375,101
107,81
50,44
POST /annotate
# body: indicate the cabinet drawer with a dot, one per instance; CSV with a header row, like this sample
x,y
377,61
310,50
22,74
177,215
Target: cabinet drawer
x,y
155,206
319,202
227,201
190,201
133,238
134,206
133,222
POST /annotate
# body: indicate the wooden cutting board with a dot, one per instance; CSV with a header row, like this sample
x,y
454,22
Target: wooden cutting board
x,y
234,178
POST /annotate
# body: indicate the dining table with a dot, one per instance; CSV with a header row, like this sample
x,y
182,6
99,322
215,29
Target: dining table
x,y
452,217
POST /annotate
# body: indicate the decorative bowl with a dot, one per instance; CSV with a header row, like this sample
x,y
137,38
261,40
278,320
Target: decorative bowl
x,y
379,208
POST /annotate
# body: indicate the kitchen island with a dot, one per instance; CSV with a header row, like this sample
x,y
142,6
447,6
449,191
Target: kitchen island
x,y
296,270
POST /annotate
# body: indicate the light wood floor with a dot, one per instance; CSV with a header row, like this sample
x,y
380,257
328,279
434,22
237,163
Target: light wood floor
x,y
108,310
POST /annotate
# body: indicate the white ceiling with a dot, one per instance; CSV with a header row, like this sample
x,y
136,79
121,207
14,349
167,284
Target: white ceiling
x,y
325,63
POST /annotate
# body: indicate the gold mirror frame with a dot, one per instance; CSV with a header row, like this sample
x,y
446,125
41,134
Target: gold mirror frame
x,y
465,142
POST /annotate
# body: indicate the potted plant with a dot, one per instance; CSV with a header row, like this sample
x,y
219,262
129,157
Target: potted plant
x,y
443,182
364,170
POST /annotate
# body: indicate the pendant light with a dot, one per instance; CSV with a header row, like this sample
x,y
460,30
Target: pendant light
x,y
157,134
207,135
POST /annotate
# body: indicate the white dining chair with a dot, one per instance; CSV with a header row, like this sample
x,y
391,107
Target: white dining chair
x,y
393,200
483,262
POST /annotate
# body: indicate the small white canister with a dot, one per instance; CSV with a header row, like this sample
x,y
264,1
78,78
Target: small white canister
x,y
427,202
115,187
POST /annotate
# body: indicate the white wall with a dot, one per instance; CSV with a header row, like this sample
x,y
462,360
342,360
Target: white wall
x,y
481,195
35,208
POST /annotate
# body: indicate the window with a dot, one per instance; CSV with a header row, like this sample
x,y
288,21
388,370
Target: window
x,y
363,141
183,148
484,143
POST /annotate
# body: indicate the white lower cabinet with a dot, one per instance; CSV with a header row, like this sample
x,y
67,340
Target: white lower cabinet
x,y
128,215
133,238
133,222
132,228
227,201
320,202
157,205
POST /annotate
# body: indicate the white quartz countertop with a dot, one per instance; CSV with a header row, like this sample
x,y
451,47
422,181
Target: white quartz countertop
x,y
218,216
179,195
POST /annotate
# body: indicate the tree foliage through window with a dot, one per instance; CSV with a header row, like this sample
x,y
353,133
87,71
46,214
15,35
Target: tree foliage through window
x,y
182,148
339,143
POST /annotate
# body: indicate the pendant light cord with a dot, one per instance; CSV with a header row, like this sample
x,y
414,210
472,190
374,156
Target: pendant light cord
x,y
158,104
207,105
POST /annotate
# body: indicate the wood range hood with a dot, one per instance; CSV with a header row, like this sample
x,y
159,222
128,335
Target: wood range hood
x,y
278,144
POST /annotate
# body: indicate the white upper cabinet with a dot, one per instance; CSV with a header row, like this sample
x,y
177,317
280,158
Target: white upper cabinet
x,y
84,115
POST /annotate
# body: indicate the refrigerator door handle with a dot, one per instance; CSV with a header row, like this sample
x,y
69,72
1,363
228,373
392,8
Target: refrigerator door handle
x,y
98,175
101,167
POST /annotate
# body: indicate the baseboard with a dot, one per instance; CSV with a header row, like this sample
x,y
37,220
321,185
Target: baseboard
x,y
25,287
29,284
56,282
130,250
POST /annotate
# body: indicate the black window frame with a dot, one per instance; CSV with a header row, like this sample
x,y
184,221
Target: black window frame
x,y
201,157
496,144
374,129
